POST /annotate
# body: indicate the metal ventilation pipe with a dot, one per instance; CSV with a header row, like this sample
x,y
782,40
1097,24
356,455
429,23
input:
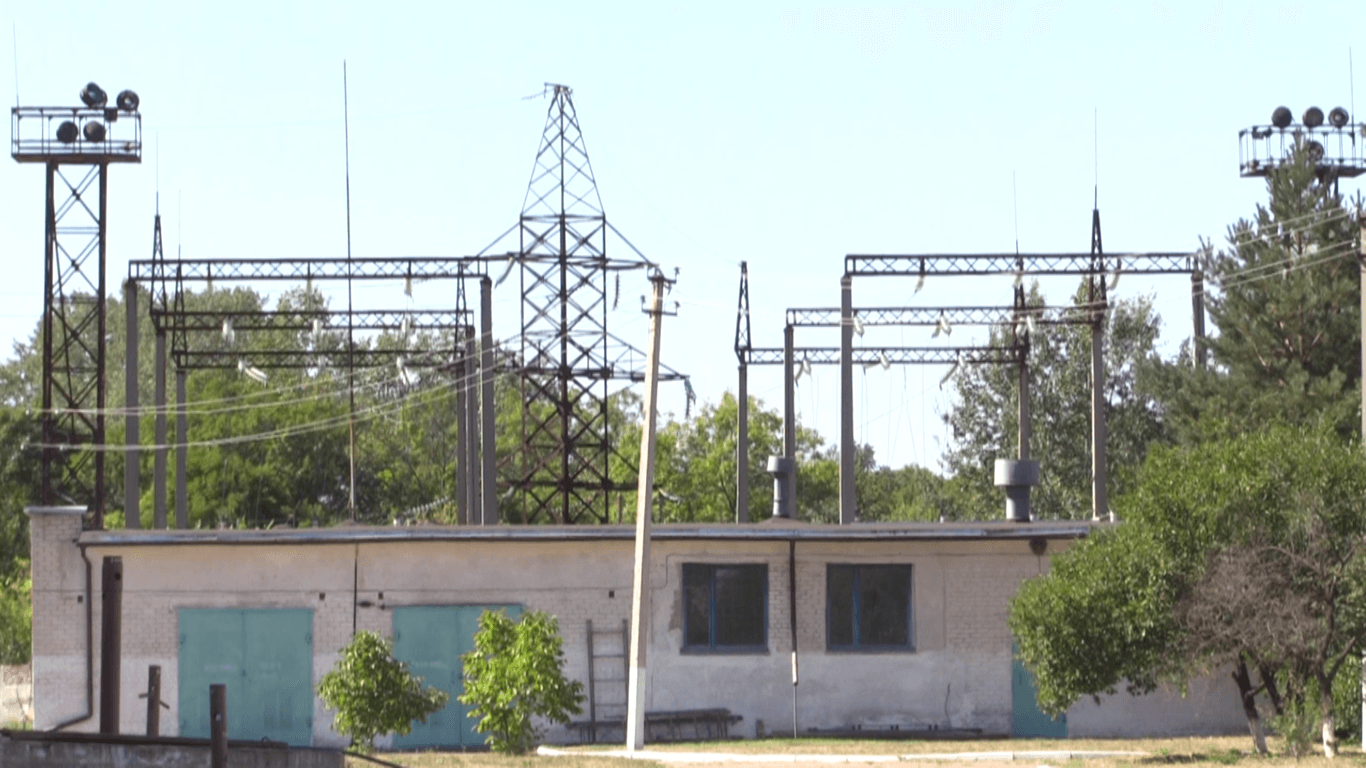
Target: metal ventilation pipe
x,y
782,469
1017,476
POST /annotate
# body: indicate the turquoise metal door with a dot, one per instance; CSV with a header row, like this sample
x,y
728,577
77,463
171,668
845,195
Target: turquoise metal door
x,y
263,656
1030,722
431,639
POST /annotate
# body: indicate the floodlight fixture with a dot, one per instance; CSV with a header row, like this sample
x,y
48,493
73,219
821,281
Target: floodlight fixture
x,y
93,131
127,100
1282,117
94,96
1314,149
67,132
1338,117
1312,118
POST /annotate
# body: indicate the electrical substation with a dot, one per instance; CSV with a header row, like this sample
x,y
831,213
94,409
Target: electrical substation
x,y
567,262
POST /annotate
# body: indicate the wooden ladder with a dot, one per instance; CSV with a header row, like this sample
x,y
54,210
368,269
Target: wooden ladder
x,y
607,674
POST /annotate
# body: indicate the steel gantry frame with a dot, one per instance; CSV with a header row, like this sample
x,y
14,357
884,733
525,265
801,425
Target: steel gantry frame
x,y
194,346
88,140
1095,266
1015,353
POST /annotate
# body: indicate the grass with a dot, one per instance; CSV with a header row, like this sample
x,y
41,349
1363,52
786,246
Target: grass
x,y
1193,751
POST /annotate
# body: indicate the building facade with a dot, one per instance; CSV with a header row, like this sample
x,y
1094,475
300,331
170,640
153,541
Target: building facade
x,y
894,626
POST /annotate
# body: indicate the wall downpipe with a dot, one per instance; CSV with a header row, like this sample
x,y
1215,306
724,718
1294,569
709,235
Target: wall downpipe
x,y
89,652
792,622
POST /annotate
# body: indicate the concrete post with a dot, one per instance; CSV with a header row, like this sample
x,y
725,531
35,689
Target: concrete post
x,y
462,439
1026,427
159,452
848,497
742,449
489,505
182,437
132,438
789,408
473,509
640,604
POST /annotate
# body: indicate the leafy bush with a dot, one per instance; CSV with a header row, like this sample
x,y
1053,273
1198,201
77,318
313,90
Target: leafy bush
x,y
374,693
514,673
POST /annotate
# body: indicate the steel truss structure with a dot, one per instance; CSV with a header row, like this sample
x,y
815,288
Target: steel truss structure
x,y
76,146
196,343
568,358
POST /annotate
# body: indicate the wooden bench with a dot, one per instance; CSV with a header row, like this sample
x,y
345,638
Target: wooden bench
x,y
662,727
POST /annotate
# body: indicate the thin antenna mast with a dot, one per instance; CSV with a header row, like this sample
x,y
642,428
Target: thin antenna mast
x,y
1095,156
350,321
14,30
1015,205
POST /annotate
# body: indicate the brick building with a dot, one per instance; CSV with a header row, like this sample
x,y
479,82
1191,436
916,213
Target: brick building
x,y
896,625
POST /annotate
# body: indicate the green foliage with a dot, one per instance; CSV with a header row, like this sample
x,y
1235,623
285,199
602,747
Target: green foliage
x,y
985,417
374,693
16,618
1109,610
515,673
1284,296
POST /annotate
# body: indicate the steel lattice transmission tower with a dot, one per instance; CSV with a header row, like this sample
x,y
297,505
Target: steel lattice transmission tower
x,y
567,357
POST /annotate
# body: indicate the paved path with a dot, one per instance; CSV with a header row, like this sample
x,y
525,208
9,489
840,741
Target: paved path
x,y
979,759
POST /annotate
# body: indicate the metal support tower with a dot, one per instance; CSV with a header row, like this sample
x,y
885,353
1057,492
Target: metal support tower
x,y
566,359
76,146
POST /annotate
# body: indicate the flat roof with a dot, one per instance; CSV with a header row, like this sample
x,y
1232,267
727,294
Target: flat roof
x,y
763,531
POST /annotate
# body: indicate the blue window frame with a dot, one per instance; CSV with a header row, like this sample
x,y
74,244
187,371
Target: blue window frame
x,y
868,608
726,608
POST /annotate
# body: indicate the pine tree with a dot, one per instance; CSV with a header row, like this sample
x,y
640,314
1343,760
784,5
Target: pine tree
x,y
1284,297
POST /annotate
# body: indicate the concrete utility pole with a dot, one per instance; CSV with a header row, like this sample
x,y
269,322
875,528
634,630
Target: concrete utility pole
x,y
640,602
132,493
488,514
848,497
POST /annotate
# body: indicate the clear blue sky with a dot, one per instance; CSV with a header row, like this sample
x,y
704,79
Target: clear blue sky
x,y
785,135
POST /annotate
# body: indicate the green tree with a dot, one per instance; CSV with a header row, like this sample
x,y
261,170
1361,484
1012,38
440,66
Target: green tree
x,y
984,420
374,693
1284,297
515,673
1122,605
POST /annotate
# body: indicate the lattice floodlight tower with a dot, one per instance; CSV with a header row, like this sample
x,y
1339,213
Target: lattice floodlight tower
x,y
77,146
567,358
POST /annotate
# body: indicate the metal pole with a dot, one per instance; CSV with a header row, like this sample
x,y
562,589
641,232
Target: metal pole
x,y
742,449
489,507
111,613
132,422
640,583
790,412
154,700
218,725
182,437
159,452
1026,427
100,368
1361,263
48,465
848,497
1095,293
1198,317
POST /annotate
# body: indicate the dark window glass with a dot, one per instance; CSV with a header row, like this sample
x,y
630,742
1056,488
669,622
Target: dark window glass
x,y
868,606
840,589
727,607
697,594
740,608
